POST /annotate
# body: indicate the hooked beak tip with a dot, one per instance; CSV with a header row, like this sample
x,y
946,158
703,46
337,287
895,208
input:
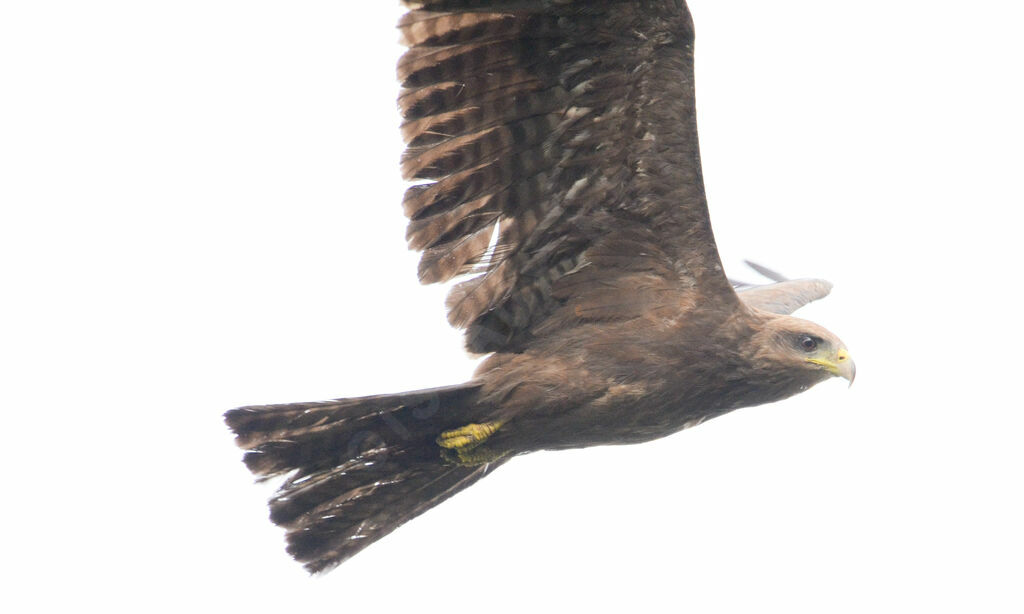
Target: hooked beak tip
x,y
845,366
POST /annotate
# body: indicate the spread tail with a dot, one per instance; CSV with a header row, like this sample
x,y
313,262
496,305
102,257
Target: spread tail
x,y
356,468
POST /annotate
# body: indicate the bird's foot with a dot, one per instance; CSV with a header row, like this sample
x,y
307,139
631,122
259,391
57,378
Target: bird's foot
x,y
480,455
467,437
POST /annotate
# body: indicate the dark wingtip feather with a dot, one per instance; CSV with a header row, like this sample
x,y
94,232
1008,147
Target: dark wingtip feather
x,y
766,272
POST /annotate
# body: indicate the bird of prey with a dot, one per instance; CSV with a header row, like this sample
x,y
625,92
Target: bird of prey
x,y
554,148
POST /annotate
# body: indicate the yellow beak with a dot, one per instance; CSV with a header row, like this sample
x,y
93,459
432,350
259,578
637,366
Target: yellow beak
x,y
840,366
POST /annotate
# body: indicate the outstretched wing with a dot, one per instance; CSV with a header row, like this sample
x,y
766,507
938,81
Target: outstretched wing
x,y
555,144
785,295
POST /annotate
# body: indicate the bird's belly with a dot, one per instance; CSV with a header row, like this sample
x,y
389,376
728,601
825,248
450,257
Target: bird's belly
x,y
596,426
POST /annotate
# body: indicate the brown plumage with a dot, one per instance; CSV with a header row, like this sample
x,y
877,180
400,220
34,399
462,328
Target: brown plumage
x,y
555,142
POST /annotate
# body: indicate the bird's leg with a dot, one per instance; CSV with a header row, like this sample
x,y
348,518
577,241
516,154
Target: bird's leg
x,y
467,437
480,455
463,446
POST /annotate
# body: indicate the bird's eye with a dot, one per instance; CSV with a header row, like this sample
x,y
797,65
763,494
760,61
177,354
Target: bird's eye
x,y
808,343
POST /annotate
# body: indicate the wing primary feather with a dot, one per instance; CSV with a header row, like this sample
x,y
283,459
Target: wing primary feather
x,y
766,272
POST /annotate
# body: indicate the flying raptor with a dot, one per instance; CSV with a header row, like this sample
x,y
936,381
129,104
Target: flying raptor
x,y
554,148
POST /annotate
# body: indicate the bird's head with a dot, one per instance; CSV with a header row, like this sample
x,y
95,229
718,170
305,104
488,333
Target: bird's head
x,y
804,347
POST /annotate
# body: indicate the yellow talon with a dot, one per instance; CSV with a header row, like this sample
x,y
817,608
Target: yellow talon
x,y
467,437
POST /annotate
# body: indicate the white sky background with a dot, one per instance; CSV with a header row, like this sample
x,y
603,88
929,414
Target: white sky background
x,y
201,210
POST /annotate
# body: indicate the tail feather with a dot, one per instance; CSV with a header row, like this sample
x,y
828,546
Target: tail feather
x,y
336,534
258,424
356,468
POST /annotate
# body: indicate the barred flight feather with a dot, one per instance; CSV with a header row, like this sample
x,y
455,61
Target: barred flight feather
x,y
559,122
